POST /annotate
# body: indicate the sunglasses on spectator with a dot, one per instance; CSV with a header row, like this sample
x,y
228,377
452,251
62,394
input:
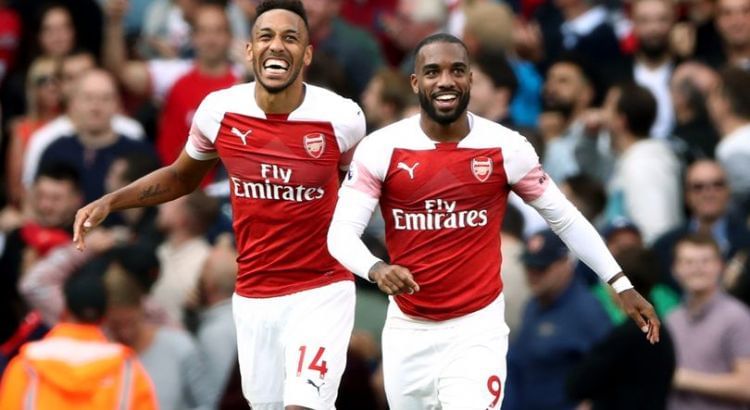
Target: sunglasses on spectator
x,y
44,80
702,186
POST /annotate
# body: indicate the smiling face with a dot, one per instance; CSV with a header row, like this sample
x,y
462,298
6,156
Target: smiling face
x,y
280,48
442,81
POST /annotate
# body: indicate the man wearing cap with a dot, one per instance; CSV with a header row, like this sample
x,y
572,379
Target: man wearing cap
x,y
562,321
74,366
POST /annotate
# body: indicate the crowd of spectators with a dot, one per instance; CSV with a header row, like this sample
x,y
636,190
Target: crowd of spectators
x,y
639,110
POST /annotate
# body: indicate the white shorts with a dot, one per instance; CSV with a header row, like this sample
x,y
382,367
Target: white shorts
x,y
452,364
292,348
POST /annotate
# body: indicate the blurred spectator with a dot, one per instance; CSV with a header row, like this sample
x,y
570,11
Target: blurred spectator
x,y
386,98
624,371
355,50
568,93
57,34
95,144
10,32
587,194
493,88
356,390
645,184
216,335
170,355
561,323
653,62
710,332
140,222
51,35
72,67
690,86
489,29
178,85
515,287
164,31
184,222
74,366
622,236
52,203
43,101
581,26
707,199
729,106
733,24
413,21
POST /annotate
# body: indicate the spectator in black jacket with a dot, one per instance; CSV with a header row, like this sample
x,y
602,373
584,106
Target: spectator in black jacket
x,y
624,371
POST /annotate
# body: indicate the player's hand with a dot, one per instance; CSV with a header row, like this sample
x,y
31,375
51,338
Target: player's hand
x,y
642,313
87,218
393,279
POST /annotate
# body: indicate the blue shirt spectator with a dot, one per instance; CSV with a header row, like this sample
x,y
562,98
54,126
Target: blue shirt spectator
x,y
561,323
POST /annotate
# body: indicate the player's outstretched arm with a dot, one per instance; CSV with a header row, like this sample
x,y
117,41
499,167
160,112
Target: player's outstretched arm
x,y
583,239
162,185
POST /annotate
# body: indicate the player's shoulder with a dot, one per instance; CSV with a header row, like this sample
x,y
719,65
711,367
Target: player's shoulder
x,y
230,94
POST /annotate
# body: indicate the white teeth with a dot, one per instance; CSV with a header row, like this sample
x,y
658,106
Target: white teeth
x,y
445,97
275,63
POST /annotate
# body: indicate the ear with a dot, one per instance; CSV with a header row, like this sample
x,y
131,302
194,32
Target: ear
x,y
307,58
414,83
249,52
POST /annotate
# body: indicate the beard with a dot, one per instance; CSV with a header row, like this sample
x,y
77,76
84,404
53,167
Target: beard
x,y
564,108
444,119
275,89
653,50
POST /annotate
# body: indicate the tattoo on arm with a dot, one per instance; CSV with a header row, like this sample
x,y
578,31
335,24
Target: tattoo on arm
x,y
152,191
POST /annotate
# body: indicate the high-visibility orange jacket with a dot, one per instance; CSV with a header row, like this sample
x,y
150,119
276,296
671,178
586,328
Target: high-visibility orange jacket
x,y
75,367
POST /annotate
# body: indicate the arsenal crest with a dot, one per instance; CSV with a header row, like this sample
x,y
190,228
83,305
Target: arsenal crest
x,y
481,167
314,144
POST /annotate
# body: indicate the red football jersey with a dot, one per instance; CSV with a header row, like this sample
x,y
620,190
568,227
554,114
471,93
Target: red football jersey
x,y
284,175
443,204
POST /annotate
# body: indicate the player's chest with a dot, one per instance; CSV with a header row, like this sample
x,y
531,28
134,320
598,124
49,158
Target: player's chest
x,y
453,174
254,148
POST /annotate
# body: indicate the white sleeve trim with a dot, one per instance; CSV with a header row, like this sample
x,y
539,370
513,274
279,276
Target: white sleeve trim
x,y
350,218
577,233
200,156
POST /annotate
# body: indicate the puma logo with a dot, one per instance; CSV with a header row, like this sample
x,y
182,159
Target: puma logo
x,y
317,387
410,170
242,135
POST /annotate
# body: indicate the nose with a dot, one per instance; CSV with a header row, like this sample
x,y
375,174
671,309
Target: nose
x,y
445,80
276,44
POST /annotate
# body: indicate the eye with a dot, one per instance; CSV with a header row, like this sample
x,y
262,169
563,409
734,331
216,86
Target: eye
x,y
430,73
290,38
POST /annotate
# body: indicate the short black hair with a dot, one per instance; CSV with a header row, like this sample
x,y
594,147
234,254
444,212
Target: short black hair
x,y
640,265
85,295
62,172
496,66
735,86
294,6
439,38
638,106
591,192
